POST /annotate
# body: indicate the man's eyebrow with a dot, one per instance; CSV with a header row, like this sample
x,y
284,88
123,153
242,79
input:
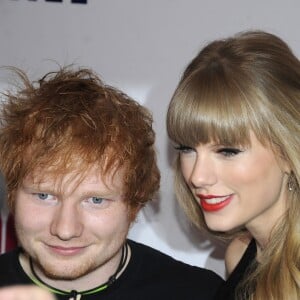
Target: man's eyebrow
x,y
37,187
100,192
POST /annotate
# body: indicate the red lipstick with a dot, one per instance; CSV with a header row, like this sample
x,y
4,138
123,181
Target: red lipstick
x,y
218,203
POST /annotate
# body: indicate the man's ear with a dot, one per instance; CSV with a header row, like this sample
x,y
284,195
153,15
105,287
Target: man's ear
x,y
133,211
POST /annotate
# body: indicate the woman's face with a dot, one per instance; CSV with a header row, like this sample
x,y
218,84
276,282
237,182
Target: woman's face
x,y
236,186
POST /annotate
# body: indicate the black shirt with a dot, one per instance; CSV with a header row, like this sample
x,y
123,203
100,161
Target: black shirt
x,y
227,290
149,274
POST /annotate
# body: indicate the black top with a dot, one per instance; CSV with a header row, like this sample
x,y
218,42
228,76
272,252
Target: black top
x,y
228,288
149,274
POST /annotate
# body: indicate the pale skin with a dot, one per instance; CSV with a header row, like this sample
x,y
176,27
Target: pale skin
x,y
235,251
75,230
22,292
237,187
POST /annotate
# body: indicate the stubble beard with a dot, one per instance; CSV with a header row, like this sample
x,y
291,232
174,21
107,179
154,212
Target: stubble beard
x,y
67,270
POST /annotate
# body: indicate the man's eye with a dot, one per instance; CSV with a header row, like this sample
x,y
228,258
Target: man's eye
x,y
97,200
184,149
228,152
43,196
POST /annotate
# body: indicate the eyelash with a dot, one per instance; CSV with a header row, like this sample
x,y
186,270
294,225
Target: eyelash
x,y
228,152
225,151
183,149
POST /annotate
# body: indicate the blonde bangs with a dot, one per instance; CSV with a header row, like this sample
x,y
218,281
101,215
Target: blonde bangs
x,y
204,111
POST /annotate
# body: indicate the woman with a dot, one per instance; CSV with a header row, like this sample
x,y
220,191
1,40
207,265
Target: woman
x,y
235,119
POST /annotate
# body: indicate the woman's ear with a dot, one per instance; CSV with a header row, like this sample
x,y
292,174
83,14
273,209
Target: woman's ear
x,y
285,166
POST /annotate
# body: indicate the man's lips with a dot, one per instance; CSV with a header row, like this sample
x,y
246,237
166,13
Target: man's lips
x,y
213,203
65,251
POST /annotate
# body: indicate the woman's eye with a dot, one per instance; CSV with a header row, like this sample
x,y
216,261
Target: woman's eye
x,y
184,149
228,152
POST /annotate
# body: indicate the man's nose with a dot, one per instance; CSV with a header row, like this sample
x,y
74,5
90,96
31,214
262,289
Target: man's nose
x,y
66,222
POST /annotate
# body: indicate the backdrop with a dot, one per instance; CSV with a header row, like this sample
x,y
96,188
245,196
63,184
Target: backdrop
x,y
141,47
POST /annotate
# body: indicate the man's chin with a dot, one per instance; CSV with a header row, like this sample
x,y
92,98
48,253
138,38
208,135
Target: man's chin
x,y
63,274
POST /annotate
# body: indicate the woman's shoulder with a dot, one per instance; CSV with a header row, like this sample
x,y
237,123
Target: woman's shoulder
x,y
236,250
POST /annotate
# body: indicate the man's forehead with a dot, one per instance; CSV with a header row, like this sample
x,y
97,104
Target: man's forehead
x,y
91,176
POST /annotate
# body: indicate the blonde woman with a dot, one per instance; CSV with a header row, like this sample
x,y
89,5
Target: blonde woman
x,y
235,120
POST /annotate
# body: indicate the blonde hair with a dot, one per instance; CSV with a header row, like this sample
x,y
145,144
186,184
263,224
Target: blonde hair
x,y
247,82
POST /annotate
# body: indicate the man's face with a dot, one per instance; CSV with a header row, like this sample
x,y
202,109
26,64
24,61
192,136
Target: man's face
x,y
71,228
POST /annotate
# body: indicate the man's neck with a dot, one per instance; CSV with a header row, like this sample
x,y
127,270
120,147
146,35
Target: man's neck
x,y
89,281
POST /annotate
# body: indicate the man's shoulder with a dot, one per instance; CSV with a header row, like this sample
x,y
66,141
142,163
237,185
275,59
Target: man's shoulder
x,y
11,271
165,263
8,257
163,277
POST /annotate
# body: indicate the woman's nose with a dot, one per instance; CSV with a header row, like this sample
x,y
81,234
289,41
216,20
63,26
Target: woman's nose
x,y
203,173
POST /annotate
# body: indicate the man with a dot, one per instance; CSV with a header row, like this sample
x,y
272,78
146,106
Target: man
x,y
25,292
79,161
